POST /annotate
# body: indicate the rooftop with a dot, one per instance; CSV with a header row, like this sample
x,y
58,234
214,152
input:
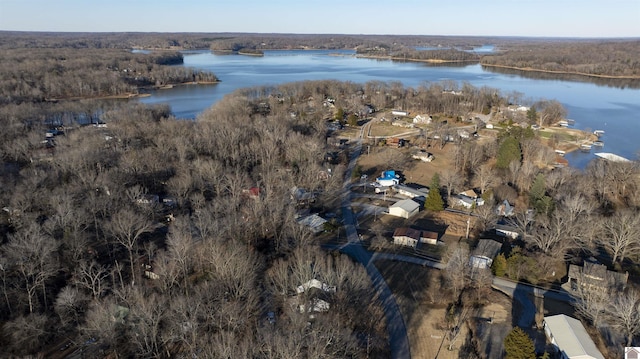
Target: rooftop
x,y
571,337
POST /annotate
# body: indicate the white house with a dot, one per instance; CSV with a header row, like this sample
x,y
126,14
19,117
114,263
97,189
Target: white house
x,y
423,156
570,338
464,134
484,253
505,230
405,208
388,179
469,199
316,300
411,192
314,283
420,119
399,113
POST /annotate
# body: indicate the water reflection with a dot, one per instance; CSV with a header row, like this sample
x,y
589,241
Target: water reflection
x,y
536,75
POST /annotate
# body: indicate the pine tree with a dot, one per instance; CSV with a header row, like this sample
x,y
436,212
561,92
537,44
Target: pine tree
x,y
538,188
499,265
508,152
518,345
434,200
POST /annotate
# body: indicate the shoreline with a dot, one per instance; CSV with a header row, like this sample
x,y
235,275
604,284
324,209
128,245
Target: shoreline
x,y
131,95
431,61
531,69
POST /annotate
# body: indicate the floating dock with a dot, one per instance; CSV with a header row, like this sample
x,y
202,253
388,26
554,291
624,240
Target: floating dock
x,y
611,157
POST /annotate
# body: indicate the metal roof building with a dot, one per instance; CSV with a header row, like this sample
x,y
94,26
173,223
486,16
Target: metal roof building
x,y
570,338
405,208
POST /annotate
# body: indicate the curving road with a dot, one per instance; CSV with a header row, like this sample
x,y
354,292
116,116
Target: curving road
x,y
396,328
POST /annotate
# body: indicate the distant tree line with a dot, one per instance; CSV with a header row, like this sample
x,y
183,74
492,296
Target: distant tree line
x,y
413,54
613,57
35,75
610,58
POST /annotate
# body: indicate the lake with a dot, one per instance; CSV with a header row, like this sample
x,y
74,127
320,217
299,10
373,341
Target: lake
x,y
612,107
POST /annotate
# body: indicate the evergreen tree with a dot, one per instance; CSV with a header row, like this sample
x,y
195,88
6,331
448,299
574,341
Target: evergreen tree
x,y
339,116
538,188
499,265
538,196
508,152
518,345
352,120
532,115
434,200
435,180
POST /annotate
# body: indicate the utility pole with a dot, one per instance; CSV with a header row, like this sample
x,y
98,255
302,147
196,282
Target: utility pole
x,y
468,224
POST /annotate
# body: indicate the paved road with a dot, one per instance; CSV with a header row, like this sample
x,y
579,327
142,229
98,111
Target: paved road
x,y
521,292
396,328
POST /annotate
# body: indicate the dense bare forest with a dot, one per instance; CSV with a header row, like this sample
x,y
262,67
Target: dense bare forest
x,y
613,58
36,75
151,221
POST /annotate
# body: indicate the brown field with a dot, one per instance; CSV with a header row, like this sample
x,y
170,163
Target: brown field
x,y
424,313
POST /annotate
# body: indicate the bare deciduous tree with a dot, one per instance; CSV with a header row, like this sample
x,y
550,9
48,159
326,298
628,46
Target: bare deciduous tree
x,y
126,227
624,314
32,256
91,276
621,235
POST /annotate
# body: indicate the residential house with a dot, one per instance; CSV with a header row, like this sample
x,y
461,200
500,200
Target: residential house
x,y
395,142
505,230
405,236
316,299
399,113
464,134
505,209
388,179
429,237
422,119
411,192
570,338
423,156
314,222
405,208
411,237
484,253
593,275
469,199
302,196
314,283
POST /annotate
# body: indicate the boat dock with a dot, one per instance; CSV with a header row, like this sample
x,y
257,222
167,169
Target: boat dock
x,y
611,157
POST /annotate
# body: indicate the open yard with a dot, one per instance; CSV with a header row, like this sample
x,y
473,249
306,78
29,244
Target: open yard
x,y
423,308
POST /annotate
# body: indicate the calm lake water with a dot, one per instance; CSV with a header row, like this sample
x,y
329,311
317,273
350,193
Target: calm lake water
x,y
614,108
